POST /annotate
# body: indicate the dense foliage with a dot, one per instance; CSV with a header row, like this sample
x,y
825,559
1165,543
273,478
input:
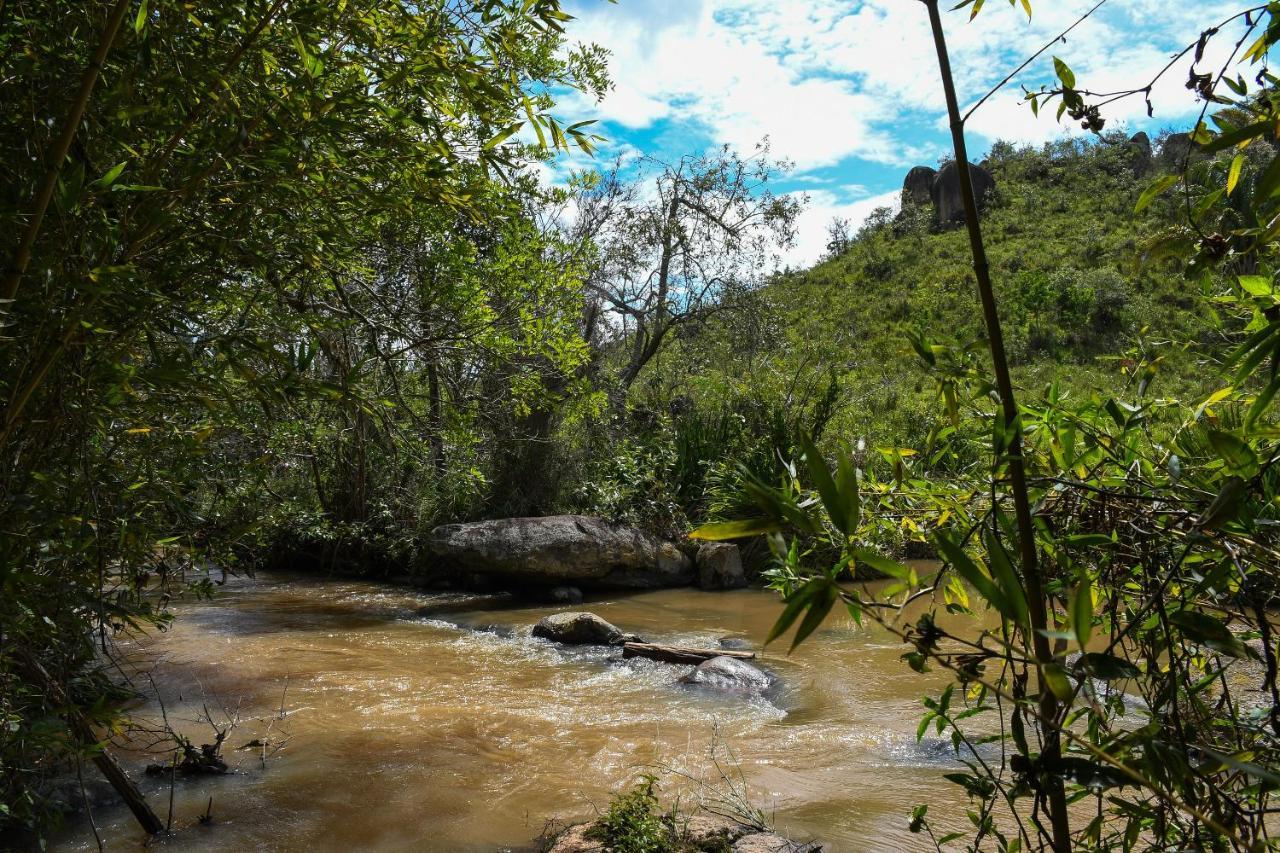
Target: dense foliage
x,y
252,248
280,285
1116,685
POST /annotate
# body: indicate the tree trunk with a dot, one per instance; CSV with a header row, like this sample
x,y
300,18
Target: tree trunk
x,y
1051,743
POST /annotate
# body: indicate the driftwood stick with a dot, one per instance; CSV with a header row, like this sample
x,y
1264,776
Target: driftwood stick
x,y
680,654
106,763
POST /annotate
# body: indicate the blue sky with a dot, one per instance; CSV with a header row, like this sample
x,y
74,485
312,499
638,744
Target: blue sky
x,y
849,89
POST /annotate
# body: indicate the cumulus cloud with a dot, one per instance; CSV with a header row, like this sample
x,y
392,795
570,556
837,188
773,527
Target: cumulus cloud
x,y
822,209
849,89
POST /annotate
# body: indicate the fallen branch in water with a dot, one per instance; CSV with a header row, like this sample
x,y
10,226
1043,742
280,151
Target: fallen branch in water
x,y
680,654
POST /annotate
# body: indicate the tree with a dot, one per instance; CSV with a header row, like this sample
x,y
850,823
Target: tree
x,y
195,196
676,242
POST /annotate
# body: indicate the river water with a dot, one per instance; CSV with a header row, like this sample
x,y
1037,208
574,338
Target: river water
x,y
434,721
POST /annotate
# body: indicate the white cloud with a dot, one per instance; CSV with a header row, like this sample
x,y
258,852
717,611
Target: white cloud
x,y
832,79
817,215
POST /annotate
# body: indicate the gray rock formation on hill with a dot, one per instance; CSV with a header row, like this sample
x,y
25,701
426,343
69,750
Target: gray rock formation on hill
x,y
948,203
1140,153
917,188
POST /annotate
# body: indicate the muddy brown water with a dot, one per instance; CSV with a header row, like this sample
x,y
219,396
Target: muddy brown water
x,y
407,728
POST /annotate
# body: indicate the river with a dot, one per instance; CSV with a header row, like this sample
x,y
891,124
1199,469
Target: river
x,y
434,721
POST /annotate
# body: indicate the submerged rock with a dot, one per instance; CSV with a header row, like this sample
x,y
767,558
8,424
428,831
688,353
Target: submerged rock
x,y
728,674
720,566
771,842
559,550
578,629
698,832
566,595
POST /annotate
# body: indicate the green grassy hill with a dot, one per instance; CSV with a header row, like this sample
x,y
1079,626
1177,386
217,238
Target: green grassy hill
x,y
1067,255
829,349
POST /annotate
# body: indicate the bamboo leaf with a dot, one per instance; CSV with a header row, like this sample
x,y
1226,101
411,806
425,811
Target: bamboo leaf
x,y
1150,193
718,531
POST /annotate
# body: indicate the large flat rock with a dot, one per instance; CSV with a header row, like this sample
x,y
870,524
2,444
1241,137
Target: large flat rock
x,y
560,549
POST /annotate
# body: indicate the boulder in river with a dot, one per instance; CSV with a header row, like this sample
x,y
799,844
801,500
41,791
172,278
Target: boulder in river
x,y
720,566
728,674
559,550
578,629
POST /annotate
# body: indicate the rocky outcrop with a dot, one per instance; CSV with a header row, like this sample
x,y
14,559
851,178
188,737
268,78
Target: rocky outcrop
x,y
728,674
579,629
720,566
1140,153
560,550
1178,150
948,203
917,188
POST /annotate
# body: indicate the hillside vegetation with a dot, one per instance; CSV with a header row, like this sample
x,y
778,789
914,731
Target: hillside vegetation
x,y
1088,295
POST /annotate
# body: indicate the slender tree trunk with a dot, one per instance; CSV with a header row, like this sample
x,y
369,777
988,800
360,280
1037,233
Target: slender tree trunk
x,y
435,418
1051,744
82,731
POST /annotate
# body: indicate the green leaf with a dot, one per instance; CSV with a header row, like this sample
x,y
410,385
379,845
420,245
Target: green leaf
x,y
1238,455
847,485
1081,610
1005,577
1269,183
1055,677
1106,667
110,177
1150,193
969,570
819,594
1261,403
140,20
832,500
1065,74
1089,540
502,136
820,605
1208,631
1234,137
1233,176
1256,285
884,565
718,531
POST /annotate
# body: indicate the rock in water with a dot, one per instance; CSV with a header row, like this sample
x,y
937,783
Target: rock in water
x,y
770,842
728,674
560,550
566,595
948,203
720,566
917,189
578,629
